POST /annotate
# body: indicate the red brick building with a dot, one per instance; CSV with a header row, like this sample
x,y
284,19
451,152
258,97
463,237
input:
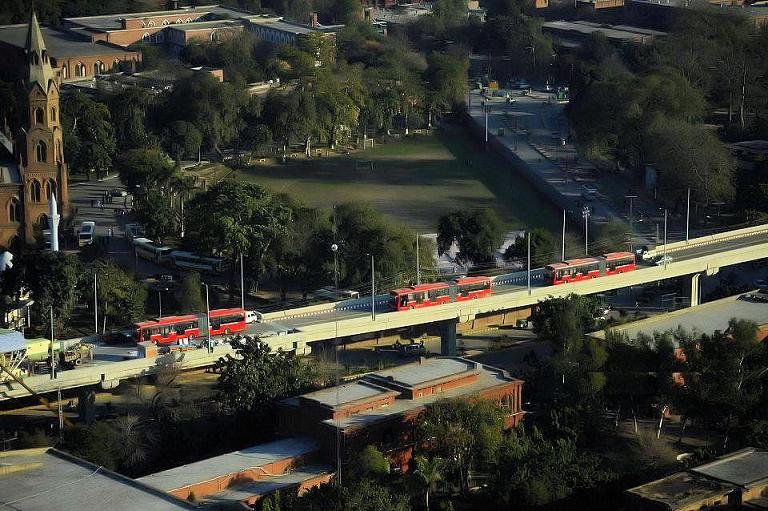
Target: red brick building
x,y
382,408
32,166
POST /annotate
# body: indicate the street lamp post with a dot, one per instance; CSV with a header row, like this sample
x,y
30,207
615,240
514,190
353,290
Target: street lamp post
x,y
160,303
529,261
335,249
666,261
418,269
631,230
688,215
486,110
373,288
562,253
208,318
585,212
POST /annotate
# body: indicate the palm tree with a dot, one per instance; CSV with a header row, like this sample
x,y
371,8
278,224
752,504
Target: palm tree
x,y
429,472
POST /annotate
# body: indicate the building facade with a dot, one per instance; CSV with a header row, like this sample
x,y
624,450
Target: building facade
x,y
34,169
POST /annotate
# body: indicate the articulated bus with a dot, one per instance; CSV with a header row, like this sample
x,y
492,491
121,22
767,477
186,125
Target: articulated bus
x,y
575,270
427,295
173,329
150,250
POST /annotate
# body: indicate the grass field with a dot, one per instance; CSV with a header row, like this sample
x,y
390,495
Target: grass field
x,y
414,181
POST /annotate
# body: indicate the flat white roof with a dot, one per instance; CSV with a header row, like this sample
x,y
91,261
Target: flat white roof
x,y
230,463
416,374
347,393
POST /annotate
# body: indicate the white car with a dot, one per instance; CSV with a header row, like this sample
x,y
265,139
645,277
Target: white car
x,y
664,259
253,317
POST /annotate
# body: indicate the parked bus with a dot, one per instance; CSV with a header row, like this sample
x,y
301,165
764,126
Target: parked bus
x,y
427,295
575,270
190,261
187,327
151,251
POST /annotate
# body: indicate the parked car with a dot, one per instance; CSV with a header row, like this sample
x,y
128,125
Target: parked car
x,y
118,192
118,337
664,259
253,317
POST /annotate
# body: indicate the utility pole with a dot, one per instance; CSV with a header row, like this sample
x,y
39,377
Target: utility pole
x,y
208,319
529,262
665,238
242,285
418,270
95,306
53,350
373,288
688,215
585,212
631,230
562,252
160,303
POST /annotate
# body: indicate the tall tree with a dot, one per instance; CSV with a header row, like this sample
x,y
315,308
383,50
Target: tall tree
x,y
256,377
542,247
121,297
55,280
89,143
478,234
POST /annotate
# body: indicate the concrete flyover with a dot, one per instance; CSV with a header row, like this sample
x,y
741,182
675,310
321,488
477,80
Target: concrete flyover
x,y
705,255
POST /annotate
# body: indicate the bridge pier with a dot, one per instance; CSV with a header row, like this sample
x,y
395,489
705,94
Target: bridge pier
x,y
448,338
692,288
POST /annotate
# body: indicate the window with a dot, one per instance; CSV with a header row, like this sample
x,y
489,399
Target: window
x,y
50,188
53,114
41,152
145,38
14,210
39,116
79,69
98,67
165,22
34,190
151,23
42,220
64,72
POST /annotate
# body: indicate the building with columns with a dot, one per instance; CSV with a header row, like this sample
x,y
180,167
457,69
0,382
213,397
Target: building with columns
x,y
32,165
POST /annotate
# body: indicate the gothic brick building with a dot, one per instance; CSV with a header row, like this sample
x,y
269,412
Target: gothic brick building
x,y
32,165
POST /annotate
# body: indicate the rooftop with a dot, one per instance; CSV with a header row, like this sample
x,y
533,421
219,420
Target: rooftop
x,y
283,26
247,490
230,463
35,479
59,43
621,33
704,319
432,369
743,468
681,490
204,25
348,393
113,21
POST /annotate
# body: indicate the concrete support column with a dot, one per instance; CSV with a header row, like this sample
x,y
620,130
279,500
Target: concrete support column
x,y
691,288
448,338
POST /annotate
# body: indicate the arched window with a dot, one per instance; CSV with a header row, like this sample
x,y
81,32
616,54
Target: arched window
x,y
188,20
50,188
165,22
214,35
79,69
98,67
42,221
41,152
35,59
53,113
145,37
34,190
64,72
179,20
14,210
151,23
39,116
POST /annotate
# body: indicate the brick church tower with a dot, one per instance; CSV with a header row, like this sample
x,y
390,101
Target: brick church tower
x,y
39,144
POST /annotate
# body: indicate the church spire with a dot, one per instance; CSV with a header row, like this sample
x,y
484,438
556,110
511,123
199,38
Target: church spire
x,y
37,56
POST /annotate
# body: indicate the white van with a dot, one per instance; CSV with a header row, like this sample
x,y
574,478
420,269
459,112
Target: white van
x,y
86,233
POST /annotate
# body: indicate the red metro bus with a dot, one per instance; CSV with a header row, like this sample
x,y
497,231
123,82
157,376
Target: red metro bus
x,y
172,329
438,293
575,270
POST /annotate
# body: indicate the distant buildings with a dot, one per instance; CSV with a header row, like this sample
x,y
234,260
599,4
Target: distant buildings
x,y
738,480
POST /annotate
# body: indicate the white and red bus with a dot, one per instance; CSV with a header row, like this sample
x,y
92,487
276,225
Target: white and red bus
x,y
172,329
575,270
438,293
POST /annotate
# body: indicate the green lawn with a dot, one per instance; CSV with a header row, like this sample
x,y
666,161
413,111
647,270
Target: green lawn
x,y
414,181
